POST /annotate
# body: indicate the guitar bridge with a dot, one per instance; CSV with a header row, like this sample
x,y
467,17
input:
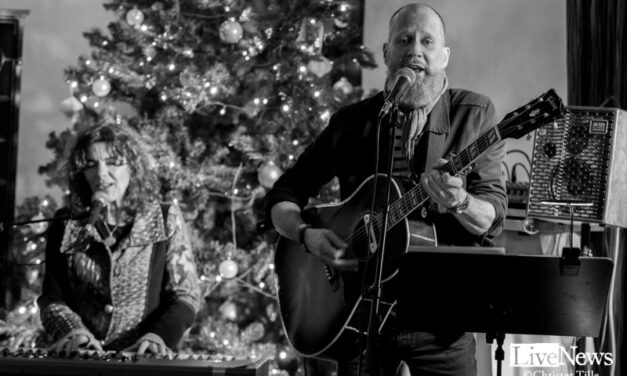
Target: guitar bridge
x,y
372,239
332,277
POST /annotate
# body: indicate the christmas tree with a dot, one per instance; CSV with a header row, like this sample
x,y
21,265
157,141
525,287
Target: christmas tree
x,y
227,93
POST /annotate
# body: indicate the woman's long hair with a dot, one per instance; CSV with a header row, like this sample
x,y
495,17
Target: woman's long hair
x,y
121,142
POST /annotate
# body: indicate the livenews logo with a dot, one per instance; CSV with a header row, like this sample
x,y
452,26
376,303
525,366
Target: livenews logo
x,y
554,355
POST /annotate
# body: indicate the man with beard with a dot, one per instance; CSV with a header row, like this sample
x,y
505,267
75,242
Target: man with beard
x,y
436,121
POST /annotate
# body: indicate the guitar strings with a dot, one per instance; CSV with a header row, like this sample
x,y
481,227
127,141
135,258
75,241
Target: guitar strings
x,y
415,196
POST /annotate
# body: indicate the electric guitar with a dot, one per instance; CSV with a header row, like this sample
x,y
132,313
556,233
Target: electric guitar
x,y
319,305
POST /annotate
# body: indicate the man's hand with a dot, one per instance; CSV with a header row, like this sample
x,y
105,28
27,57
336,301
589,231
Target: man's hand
x,y
443,188
325,244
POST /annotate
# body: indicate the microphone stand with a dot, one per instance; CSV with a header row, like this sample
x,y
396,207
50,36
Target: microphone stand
x,y
375,288
23,223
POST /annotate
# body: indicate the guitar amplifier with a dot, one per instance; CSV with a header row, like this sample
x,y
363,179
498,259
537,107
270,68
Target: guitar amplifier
x,y
31,362
581,159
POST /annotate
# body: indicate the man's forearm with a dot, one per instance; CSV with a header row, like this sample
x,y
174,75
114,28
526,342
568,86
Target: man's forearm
x,y
478,217
286,219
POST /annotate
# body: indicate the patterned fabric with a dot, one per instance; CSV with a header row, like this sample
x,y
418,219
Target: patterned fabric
x,y
109,293
413,123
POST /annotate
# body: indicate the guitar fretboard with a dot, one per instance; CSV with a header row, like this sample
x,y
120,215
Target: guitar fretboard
x,y
416,196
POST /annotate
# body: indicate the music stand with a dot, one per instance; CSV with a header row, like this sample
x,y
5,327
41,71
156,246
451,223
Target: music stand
x,y
497,294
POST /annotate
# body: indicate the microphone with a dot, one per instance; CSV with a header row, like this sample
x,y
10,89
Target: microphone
x,y
405,77
98,201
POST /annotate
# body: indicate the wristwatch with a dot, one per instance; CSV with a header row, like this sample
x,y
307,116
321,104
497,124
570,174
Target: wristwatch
x,y
462,206
300,232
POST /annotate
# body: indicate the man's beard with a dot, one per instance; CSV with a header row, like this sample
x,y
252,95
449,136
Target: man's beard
x,y
424,92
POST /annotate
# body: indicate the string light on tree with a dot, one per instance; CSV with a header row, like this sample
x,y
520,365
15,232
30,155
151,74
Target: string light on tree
x,y
231,31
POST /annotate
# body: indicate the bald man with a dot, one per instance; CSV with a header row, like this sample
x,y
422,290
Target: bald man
x,y
435,121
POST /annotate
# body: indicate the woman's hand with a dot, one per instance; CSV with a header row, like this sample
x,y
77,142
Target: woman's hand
x,y
78,339
150,343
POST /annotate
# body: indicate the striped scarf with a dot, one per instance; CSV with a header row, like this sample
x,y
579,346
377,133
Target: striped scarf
x,y
413,124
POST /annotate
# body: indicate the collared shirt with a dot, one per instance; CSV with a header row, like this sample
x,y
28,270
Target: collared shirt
x,y
346,149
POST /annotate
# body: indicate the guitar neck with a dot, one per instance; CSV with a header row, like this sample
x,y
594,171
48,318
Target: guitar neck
x,y
417,196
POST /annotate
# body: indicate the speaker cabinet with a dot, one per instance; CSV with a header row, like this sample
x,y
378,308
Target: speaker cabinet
x,y
581,159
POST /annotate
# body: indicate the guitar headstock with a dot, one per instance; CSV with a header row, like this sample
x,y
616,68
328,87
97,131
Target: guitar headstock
x,y
546,108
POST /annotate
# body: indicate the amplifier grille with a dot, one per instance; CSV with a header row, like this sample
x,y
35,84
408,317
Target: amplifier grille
x,y
571,163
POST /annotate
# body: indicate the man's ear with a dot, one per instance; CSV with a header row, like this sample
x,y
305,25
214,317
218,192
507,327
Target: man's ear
x,y
385,51
447,54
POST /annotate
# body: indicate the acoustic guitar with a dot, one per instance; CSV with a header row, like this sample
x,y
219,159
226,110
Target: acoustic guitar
x,y
320,306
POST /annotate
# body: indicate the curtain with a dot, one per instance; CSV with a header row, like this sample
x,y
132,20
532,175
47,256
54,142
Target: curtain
x,y
597,53
597,77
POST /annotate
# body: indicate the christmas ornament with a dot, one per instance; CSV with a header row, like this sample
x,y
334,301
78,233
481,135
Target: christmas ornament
x,y
271,312
231,31
134,17
32,274
228,310
310,36
38,227
254,332
341,19
30,247
320,67
228,269
342,88
189,77
251,109
70,106
268,174
339,23
150,52
157,7
101,87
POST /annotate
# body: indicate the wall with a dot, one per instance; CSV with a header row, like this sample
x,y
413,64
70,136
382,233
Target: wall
x,y
52,41
510,50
